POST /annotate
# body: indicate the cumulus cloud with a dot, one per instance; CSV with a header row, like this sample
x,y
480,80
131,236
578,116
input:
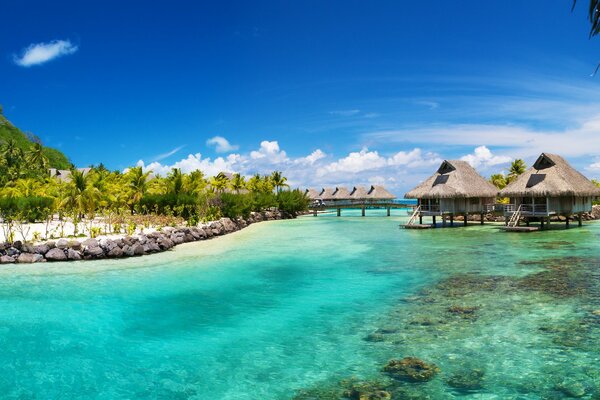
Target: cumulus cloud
x,y
483,157
40,53
311,158
221,144
270,151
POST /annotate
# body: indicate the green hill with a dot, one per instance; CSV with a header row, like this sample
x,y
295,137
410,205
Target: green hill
x,y
56,159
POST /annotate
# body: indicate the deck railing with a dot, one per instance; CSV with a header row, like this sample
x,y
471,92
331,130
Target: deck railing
x,y
526,208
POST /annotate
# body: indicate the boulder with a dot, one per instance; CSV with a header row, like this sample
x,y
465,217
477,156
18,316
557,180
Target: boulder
x,y
41,249
165,244
115,252
188,238
17,244
411,369
28,258
94,251
11,251
74,244
138,250
7,260
56,255
62,243
88,243
4,246
73,254
151,247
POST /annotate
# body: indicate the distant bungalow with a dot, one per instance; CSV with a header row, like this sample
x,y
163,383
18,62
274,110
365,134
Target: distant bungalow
x,y
358,197
550,187
455,189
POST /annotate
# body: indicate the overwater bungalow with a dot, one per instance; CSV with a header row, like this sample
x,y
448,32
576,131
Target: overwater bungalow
x,y
312,194
455,189
359,194
378,193
340,194
551,187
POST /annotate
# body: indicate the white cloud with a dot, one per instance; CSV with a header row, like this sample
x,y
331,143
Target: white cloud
x,y
574,141
221,144
40,53
359,161
311,158
270,151
168,154
483,157
344,113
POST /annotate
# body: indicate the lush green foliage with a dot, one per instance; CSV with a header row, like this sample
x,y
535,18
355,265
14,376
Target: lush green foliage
x,y
125,200
28,209
24,148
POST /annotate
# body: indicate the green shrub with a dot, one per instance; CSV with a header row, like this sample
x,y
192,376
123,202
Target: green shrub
x,y
292,201
236,205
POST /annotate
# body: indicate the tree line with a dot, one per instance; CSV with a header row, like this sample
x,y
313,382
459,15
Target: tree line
x,y
120,202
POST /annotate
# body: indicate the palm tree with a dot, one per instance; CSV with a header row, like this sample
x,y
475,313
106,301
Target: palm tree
x,y
36,157
593,15
238,182
517,167
279,181
175,179
498,180
195,183
138,183
219,182
81,197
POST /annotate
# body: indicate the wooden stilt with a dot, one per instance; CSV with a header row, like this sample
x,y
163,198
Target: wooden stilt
x,y
363,211
542,220
434,221
567,222
452,220
420,220
481,215
389,211
339,212
506,221
466,217
527,222
315,213
579,222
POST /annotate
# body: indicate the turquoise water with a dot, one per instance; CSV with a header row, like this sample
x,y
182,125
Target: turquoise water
x,y
287,308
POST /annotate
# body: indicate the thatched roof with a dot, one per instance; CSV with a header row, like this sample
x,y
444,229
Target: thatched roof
x,y
341,193
453,179
379,193
327,194
359,193
312,194
551,175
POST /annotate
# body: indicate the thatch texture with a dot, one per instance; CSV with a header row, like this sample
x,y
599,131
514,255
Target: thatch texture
x,y
453,179
552,176
327,194
341,193
359,193
313,194
378,192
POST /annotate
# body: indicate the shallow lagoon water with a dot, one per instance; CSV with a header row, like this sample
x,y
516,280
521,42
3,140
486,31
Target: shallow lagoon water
x,y
283,308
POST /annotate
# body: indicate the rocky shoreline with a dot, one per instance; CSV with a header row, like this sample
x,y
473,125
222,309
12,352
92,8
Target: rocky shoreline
x,y
127,246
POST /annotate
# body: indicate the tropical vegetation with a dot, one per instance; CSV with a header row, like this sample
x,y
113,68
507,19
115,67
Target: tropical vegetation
x,y
118,201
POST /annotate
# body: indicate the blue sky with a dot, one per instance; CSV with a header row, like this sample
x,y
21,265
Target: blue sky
x,y
336,92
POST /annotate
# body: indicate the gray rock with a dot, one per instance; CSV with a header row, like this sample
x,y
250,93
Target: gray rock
x,y
56,255
6,260
165,244
74,244
62,243
17,244
115,252
189,238
138,250
28,258
94,251
41,249
90,243
151,247
73,254
11,251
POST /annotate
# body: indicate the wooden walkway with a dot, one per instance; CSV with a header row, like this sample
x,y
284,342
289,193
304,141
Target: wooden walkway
x,y
358,205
